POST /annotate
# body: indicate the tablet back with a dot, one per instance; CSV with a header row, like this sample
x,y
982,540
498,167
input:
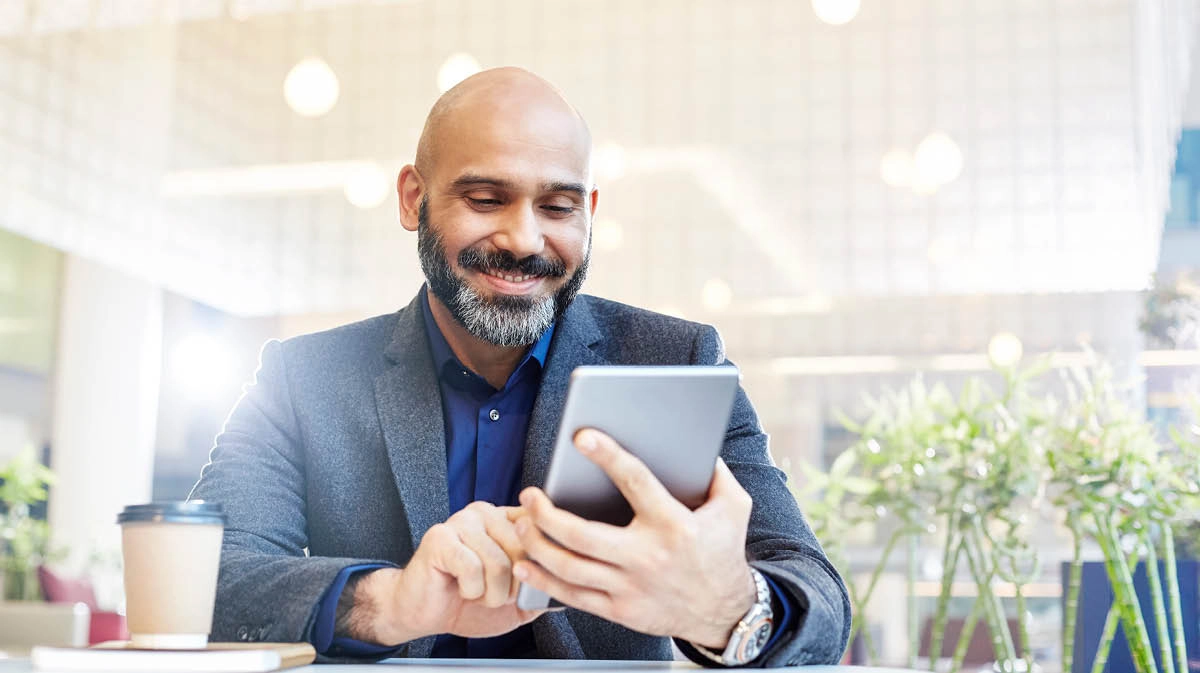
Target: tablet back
x,y
672,418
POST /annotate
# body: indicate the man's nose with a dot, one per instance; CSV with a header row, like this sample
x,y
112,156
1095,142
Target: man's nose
x,y
520,233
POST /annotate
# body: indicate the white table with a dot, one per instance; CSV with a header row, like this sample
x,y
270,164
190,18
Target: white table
x,y
508,666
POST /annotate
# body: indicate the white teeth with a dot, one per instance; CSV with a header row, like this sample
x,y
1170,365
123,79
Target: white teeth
x,y
511,279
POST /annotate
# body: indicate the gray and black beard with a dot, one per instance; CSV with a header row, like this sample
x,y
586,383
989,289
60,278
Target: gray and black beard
x,y
503,320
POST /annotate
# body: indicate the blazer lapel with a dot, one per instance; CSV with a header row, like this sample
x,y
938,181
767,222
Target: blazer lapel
x,y
409,403
574,336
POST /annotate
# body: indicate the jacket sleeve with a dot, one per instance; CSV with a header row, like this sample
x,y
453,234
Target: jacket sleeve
x,y
268,588
779,543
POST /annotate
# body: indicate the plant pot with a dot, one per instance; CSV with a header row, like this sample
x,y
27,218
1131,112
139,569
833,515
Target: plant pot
x,y
1095,597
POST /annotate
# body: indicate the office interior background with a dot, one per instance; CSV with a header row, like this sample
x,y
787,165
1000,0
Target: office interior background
x,y
853,191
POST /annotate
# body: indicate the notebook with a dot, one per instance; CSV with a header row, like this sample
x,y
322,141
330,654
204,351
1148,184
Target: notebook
x,y
217,658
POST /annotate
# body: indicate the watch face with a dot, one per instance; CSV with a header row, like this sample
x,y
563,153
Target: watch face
x,y
756,640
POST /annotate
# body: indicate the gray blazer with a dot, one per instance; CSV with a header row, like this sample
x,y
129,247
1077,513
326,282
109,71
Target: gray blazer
x,y
335,455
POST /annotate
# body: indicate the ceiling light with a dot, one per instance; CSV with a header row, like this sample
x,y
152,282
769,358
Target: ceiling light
x,y
311,88
455,69
367,187
716,295
937,161
835,12
607,234
1005,350
896,168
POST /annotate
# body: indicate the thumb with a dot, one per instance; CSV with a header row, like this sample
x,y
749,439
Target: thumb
x,y
725,489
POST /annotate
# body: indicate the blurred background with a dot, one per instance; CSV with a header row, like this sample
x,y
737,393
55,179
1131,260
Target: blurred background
x,y
852,191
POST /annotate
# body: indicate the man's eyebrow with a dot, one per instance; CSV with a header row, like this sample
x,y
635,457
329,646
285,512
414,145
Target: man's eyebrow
x,y
473,180
576,188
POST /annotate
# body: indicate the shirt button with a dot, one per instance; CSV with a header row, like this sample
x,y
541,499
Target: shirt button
x,y
494,415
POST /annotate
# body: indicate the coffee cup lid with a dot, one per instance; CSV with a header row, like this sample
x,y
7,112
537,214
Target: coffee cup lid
x,y
191,511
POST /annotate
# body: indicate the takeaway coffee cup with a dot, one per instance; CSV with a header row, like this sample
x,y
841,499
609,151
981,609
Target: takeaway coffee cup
x,y
172,552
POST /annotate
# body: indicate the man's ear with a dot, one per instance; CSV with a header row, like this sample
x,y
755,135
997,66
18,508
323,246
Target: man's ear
x,y
594,197
410,188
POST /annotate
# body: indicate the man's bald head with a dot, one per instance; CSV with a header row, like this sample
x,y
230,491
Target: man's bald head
x,y
507,99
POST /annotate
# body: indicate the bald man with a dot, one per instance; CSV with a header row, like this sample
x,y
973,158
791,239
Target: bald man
x,y
381,479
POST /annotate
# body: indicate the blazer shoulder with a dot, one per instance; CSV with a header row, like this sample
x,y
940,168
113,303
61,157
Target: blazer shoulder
x,y
641,336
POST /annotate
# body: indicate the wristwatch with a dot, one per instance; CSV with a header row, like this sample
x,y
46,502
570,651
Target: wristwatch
x,y
752,632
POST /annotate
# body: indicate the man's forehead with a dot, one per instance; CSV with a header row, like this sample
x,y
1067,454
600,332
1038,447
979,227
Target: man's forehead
x,y
523,154
505,115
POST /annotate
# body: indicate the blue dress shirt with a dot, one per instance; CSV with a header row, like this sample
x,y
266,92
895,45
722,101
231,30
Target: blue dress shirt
x,y
485,443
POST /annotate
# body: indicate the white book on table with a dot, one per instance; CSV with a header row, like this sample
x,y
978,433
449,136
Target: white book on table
x,y
218,658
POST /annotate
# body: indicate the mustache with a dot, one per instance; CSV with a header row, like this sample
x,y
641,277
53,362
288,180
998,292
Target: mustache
x,y
503,260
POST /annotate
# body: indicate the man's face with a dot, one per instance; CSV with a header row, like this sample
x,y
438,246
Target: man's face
x,y
503,204
500,318
504,220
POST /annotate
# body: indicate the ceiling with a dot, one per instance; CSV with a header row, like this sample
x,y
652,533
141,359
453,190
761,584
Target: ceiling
x,y
740,143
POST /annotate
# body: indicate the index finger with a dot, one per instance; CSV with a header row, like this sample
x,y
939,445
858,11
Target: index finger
x,y
645,493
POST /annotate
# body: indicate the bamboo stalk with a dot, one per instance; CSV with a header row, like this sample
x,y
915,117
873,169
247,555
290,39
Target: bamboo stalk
x,y
914,629
856,621
1023,625
964,638
1173,603
1109,632
993,610
868,639
1071,609
937,634
1106,639
1010,651
1121,580
1167,661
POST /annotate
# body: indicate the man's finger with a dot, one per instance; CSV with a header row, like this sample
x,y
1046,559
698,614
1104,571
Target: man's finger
x,y
726,491
645,493
497,567
594,539
500,529
564,564
589,600
454,558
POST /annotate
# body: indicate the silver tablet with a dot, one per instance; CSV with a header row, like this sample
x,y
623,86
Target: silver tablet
x,y
672,418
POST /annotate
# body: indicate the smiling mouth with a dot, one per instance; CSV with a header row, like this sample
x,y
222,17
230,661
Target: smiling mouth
x,y
494,273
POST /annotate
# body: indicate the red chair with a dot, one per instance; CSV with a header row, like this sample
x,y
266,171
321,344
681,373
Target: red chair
x,y
104,625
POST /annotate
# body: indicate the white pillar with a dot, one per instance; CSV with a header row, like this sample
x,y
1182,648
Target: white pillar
x,y
105,404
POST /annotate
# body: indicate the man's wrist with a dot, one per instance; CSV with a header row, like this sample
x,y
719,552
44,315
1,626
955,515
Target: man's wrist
x,y
715,634
367,611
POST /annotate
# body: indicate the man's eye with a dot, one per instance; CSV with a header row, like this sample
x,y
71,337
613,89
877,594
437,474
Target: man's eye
x,y
559,210
484,203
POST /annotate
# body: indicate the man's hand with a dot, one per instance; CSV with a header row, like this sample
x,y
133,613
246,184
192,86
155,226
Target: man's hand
x,y
671,571
458,581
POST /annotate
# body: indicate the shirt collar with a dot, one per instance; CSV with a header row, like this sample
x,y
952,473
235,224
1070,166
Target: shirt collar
x,y
443,355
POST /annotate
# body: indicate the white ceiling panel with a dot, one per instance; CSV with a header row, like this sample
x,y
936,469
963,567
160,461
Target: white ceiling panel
x,y
153,135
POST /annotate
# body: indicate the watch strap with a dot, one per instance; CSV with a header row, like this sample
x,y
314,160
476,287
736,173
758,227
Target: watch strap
x,y
741,631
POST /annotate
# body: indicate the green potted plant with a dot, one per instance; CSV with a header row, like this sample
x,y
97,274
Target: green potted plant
x,y
929,465
24,540
974,472
1115,482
